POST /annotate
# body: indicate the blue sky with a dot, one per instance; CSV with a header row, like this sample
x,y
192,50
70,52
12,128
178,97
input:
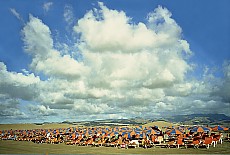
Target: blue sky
x,y
80,57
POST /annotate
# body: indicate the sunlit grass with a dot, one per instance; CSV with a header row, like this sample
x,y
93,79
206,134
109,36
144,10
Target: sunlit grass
x,y
22,147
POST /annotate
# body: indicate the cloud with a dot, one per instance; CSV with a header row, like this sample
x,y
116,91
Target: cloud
x,y
224,88
47,60
17,15
47,5
124,54
116,69
68,14
41,110
17,85
113,27
9,110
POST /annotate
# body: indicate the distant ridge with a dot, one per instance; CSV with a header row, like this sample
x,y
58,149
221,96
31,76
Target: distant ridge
x,y
209,119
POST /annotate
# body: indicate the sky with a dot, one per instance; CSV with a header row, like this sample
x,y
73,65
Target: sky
x,y
75,60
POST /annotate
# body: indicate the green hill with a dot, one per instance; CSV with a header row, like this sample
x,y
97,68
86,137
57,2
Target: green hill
x,y
206,119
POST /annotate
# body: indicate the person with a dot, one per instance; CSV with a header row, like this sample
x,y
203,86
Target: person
x,y
144,143
228,135
48,135
166,137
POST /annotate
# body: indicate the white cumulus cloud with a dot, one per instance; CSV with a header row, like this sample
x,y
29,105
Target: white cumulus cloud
x,y
39,44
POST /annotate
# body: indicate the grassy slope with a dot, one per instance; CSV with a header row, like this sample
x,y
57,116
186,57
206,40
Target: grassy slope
x,y
33,126
160,124
13,147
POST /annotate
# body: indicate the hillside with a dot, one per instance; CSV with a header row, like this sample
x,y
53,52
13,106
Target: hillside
x,y
193,119
206,119
160,124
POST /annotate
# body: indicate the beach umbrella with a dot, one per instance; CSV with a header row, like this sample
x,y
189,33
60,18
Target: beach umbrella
x,y
123,133
116,133
111,134
127,135
219,128
142,135
200,129
156,128
86,134
137,136
132,133
137,129
155,132
124,129
174,132
73,135
148,131
138,132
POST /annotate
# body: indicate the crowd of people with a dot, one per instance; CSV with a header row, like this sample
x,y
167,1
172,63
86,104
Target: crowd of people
x,y
121,137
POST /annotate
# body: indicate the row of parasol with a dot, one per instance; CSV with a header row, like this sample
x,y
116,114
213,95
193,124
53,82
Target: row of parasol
x,y
195,129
